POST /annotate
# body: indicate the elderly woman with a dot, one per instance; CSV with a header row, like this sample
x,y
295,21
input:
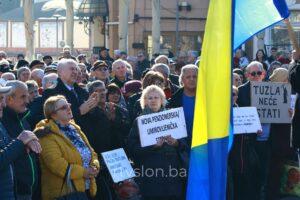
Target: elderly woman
x,y
64,147
114,95
159,157
281,151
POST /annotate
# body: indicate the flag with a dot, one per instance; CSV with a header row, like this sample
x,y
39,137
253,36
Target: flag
x,y
229,24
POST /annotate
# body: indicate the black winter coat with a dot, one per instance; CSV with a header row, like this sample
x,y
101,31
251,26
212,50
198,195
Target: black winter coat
x,y
25,168
156,159
74,100
10,151
294,77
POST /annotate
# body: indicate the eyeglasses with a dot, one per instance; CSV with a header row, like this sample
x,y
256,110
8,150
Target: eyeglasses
x,y
103,69
258,73
64,107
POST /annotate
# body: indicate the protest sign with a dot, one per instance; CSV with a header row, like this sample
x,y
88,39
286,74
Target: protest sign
x,y
246,120
272,101
118,165
166,123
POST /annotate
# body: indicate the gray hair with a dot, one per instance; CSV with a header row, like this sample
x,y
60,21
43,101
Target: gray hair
x,y
254,63
184,69
21,70
164,68
3,53
116,63
4,75
152,88
31,84
160,57
91,86
64,62
38,72
48,78
15,84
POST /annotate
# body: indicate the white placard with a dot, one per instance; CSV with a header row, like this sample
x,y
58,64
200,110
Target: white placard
x,y
293,101
166,123
272,101
246,120
118,165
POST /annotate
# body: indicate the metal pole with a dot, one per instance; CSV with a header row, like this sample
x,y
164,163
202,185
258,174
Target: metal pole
x,y
177,29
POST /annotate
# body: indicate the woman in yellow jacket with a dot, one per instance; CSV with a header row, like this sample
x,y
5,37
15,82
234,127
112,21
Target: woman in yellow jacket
x,y
64,144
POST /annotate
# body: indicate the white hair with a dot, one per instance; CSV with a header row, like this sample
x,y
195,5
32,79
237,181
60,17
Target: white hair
x,y
256,64
48,78
21,70
165,68
184,69
152,88
65,62
15,84
4,62
7,74
116,63
38,72
160,57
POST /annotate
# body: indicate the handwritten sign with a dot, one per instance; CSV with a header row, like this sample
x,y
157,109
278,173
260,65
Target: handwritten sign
x,y
118,165
166,123
246,120
272,101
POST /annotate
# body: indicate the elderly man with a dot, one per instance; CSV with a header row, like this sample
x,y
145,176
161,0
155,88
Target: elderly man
x,y
100,71
185,96
255,149
15,121
79,99
119,69
170,88
11,150
8,76
49,81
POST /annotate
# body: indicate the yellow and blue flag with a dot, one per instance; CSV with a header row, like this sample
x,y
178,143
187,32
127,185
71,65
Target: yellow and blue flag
x,y
229,24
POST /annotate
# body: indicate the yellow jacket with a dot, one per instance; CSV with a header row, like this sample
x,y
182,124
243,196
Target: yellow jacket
x,y
57,152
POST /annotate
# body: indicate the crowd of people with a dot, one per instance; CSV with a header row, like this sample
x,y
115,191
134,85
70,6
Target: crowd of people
x,y
57,117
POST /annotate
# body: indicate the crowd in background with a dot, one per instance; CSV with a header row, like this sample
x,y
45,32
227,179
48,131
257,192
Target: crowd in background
x,y
58,116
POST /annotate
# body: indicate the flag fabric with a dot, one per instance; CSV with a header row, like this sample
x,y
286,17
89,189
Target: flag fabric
x,y
252,16
227,27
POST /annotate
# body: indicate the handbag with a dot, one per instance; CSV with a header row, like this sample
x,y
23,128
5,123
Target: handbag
x,y
73,194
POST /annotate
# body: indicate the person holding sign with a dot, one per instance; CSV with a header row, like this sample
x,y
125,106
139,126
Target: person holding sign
x,y
64,147
280,142
158,167
247,165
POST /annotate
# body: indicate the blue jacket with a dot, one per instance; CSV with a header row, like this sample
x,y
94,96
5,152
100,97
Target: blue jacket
x,y
10,150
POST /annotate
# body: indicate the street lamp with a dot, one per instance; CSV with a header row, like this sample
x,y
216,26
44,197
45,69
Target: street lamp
x,y
56,16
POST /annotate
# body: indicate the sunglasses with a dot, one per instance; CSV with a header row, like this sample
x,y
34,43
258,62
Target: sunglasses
x,y
258,73
103,69
64,107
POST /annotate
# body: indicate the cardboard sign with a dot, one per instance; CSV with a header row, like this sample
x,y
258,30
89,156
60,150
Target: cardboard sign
x,y
166,123
272,101
118,165
246,120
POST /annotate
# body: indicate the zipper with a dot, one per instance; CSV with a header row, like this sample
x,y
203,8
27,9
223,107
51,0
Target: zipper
x,y
30,159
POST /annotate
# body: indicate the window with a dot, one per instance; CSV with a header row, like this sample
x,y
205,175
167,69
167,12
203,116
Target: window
x,y
48,36
3,34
